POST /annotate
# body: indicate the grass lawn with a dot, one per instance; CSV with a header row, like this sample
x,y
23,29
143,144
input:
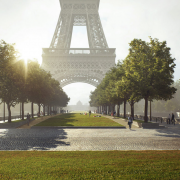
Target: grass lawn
x,y
74,119
99,165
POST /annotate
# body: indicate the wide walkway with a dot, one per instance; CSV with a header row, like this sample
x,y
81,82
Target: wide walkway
x,y
36,121
120,121
67,139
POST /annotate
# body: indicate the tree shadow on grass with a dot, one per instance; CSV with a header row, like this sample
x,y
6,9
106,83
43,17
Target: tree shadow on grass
x,y
61,120
33,139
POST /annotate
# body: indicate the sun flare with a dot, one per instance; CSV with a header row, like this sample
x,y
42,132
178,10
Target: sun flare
x,y
26,54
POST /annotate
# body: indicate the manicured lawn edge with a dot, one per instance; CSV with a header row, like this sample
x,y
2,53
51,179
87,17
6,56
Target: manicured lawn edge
x,y
77,120
90,165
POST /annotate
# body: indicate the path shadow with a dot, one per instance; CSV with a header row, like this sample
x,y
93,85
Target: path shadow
x,y
64,119
173,131
32,139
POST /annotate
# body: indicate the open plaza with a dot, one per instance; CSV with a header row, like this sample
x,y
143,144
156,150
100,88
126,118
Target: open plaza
x,y
76,132
65,146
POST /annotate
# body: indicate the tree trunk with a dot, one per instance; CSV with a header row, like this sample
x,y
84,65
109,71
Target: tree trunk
x,y
145,110
22,110
150,110
4,112
39,108
125,108
32,110
48,110
132,109
119,110
44,110
9,113
106,109
118,107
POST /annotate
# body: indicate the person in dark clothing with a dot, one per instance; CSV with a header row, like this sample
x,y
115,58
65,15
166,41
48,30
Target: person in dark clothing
x,y
89,113
173,120
28,118
130,121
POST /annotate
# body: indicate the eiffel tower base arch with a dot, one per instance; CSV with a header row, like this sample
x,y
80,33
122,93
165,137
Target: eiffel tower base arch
x,y
78,65
71,65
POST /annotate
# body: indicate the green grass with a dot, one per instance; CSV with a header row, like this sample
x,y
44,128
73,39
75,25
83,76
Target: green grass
x,y
74,119
140,165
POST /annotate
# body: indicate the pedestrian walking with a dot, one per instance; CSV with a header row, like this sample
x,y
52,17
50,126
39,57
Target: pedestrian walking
x,y
169,118
28,118
114,113
173,120
89,113
130,121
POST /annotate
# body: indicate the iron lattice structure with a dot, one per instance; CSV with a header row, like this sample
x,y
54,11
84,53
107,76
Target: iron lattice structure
x,y
70,65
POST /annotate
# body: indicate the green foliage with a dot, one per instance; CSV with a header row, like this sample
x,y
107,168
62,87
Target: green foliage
x,y
22,83
151,68
8,75
146,73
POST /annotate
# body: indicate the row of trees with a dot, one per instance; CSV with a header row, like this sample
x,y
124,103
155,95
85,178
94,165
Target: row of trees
x,y
146,73
23,82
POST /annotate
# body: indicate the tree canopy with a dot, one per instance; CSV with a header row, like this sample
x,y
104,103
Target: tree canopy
x,y
146,73
21,82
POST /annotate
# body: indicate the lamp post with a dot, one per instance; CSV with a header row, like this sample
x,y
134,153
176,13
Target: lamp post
x,y
20,110
150,110
4,111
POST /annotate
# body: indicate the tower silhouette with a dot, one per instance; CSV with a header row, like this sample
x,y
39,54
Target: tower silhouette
x,y
70,65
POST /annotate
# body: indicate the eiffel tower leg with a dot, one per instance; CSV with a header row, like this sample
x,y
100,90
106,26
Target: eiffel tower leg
x,y
63,32
69,34
95,31
56,33
88,33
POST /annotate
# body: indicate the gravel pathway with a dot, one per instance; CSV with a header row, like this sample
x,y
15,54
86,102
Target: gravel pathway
x,y
79,139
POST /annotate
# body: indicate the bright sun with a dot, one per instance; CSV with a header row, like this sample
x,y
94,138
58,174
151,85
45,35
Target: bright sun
x,y
26,53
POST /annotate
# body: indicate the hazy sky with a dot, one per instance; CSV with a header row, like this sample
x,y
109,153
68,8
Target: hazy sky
x,y
31,24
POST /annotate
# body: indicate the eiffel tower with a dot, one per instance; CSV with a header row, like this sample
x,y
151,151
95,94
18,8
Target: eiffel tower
x,y
71,65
